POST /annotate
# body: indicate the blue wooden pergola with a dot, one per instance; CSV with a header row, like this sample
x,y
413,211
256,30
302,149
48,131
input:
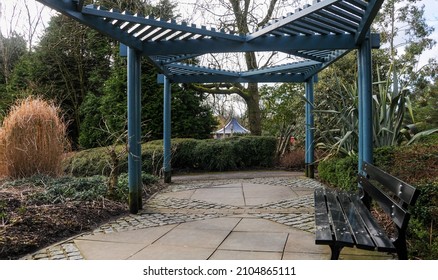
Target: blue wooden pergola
x,y
318,34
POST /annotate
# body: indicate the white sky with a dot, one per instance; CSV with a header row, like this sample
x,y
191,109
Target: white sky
x,y
431,15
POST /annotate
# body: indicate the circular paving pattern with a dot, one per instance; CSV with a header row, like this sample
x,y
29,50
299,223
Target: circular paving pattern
x,y
284,200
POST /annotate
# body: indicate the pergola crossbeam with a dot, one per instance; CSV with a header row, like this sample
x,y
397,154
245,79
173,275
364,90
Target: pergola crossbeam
x,y
288,20
192,29
367,19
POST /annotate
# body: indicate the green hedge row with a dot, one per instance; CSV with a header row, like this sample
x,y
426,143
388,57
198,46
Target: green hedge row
x,y
187,154
342,172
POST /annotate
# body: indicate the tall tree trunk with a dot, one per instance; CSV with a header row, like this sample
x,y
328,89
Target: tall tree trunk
x,y
254,114
243,14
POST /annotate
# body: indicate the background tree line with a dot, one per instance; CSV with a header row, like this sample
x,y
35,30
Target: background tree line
x,y
82,71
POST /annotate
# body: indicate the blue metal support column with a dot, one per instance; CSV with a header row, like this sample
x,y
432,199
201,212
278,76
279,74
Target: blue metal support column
x,y
134,130
360,111
365,106
167,131
309,160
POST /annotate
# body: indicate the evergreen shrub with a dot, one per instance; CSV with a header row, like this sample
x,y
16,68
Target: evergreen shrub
x,y
214,155
423,227
250,151
187,154
339,172
183,153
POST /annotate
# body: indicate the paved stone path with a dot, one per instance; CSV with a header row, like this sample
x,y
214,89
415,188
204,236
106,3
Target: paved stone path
x,y
163,209
250,218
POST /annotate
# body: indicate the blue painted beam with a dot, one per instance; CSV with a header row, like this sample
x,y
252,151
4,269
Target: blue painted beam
x,y
91,10
290,19
300,67
270,43
164,60
336,22
308,56
338,54
195,69
286,72
358,12
309,141
367,20
287,68
134,130
68,8
167,131
275,78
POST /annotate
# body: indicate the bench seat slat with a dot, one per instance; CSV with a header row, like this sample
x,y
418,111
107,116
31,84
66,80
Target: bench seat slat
x,y
341,229
323,232
358,228
383,243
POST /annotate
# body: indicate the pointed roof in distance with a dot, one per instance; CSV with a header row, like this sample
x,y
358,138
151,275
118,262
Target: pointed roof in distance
x,y
233,126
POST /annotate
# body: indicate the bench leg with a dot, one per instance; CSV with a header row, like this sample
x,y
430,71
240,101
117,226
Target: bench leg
x,y
336,251
400,246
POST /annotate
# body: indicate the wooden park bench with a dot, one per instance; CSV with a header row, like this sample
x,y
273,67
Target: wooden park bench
x,y
344,219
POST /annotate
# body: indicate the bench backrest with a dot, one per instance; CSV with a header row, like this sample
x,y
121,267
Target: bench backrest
x,y
392,194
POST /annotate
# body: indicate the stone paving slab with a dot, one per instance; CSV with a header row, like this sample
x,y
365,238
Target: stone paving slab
x,y
139,236
194,238
245,255
255,241
101,250
164,252
226,223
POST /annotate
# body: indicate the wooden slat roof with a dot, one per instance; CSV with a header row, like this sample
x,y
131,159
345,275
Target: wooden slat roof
x,y
316,34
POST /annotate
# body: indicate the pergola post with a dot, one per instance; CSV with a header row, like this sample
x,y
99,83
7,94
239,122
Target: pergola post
x,y
309,143
167,131
365,103
134,130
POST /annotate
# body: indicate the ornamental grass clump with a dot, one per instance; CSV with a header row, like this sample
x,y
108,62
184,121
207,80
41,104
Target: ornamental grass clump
x,y
33,139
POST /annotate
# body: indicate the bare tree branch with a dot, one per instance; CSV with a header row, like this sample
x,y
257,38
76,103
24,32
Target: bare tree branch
x,y
33,21
226,89
268,14
268,61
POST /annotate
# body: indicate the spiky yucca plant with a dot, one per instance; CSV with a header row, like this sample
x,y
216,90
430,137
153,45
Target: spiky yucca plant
x,y
338,117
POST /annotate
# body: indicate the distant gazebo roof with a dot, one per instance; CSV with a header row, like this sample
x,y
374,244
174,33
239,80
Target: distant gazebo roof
x,y
232,127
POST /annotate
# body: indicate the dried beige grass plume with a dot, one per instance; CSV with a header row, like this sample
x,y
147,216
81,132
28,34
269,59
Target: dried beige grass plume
x,y
33,139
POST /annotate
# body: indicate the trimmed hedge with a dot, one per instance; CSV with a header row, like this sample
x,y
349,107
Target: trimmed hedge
x,y
342,172
187,154
339,172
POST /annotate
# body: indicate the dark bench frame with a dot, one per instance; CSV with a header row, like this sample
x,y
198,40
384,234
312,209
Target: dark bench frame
x,y
344,219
